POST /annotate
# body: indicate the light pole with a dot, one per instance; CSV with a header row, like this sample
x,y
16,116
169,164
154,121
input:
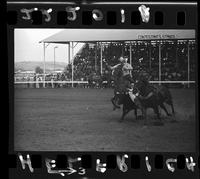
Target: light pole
x,y
54,58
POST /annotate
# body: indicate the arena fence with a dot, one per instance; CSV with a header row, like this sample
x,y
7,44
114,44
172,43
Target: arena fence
x,y
71,83
46,82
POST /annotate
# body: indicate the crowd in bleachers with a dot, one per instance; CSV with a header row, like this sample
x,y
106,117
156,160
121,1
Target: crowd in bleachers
x,y
145,59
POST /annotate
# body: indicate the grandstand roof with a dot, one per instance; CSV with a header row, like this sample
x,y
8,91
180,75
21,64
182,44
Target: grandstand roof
x,y
114,35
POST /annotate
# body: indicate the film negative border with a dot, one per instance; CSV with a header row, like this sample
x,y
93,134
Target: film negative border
x,y
111,164
96,15
45,15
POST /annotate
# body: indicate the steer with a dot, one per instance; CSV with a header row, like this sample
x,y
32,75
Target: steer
x,y
128,104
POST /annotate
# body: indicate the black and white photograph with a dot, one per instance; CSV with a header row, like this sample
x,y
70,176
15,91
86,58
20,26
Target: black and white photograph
x,y
132,90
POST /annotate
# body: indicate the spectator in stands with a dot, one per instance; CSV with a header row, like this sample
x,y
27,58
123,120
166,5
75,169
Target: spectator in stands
x,y
34,79
62,77
37,82
40,79
28,81
52,81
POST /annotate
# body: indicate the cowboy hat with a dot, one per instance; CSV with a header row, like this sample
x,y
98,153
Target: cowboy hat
x,y
122,59
127,66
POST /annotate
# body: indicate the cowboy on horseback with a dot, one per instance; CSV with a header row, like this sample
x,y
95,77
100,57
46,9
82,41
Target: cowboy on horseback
x,y
123,81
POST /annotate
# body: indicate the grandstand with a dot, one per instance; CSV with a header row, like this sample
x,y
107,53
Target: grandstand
x,y
167,57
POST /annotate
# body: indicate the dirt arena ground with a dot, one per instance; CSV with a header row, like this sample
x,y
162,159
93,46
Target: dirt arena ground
x,y
83,120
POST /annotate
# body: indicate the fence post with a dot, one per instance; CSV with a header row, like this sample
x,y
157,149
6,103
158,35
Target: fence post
x,y
188,55
159,58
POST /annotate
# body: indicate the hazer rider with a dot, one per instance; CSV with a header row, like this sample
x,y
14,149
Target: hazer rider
x,y
123,81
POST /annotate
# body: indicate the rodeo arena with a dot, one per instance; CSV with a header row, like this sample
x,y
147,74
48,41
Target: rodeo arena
x,y
124,90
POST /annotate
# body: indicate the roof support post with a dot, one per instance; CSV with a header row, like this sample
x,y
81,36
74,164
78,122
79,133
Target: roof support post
x,y
95,58
149,55
44,64
122,48
159,58
69,53
72,64
188,59
130,50
176,53
101,58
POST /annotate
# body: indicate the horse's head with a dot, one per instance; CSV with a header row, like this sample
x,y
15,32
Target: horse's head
x,y
141,84
139,87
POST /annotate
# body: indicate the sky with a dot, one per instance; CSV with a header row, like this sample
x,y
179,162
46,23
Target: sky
x,y
28,48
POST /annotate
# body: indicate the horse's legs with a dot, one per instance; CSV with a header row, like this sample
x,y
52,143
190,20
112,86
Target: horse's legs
x,y
157,112
170,102
164,108
125,111
136,113
158,123
172,106
144,113
114,101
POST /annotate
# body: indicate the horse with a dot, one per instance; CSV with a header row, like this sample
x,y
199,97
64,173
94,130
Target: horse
x,y
163,94
152,96
165,97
